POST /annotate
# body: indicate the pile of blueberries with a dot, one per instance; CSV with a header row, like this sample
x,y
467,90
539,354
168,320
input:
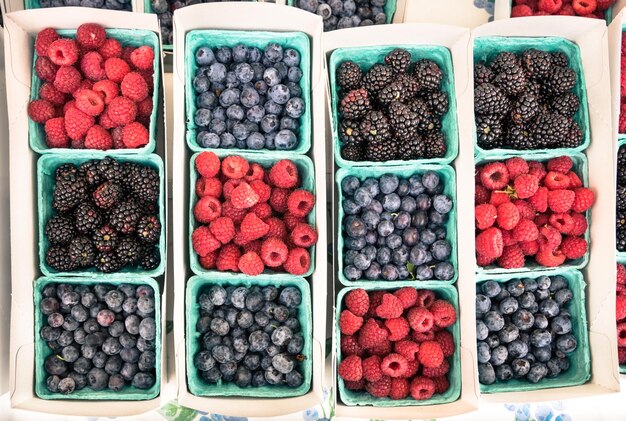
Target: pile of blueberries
x,y
102,337
97,4
395,228
248,98
250,336
341,14
524,329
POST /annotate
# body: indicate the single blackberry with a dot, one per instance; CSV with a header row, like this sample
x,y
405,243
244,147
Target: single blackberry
x,y
87,218
403,121
621,165
502,60
355,104
107,194
483,74
435,146
518,137
620,198
105,238
352,152
349,131
149,229
409,83
560,80
489,99
550,130
377,77
107,262
524,109
399,60
537,63
375,127
489,132
81,251
395,91
148,207
349,76
128,251
68,192
59,230
58,259
144,184
574,137
566,104
559,59
125,216
64,171
91,173
438,102
381,151
425,120
412,148
511,79
428,74
111,170
150,259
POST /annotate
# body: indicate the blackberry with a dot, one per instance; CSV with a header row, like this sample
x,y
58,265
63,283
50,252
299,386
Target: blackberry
x,y
110,169
128,251
352,152
425,120
533,87
411,148
349,131
620,198
377,77
483,74
59,230
107,262
403,121
409,83
435,146
381,151
489,132
149,229
574,136
502,60
559,59
438,102
355,104
560,80
428,74
58,259
65,171
511,79
91,173
393,92
524,109
81,251
87,218
105,239
349,76
374,127
125,216
489,99
399,60
621,165
107,195
536,63
550,130
566,104
144,183
519,137
68,192
150,259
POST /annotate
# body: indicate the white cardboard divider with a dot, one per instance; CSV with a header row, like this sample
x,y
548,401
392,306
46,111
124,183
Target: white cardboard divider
x,y
21,30
248,17
458,41
591,37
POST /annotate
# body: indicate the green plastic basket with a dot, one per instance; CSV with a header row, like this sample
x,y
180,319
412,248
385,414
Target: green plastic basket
x,y
447,176
127,37
46,167
580,360
582,170
307,175
299,41
199,387
42,351
486,48
357,398
622,260
366,57
36,4
390,8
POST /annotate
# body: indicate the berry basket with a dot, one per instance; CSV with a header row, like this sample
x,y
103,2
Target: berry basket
x,y
196,384
46,167
129,393
367,57
127,37
390,8
487,47
579,371
581,168
299,41
305,167
354,398
608,14
448,177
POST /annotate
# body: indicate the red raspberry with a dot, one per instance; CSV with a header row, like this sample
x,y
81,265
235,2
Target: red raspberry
x,y
45,69
252,227
508,216
360,385
620,307
274,252
489,243
92,66
262,210
256,172
117,134
507,238
278,202
111,48
107,89
537,169
207,164
483,261
398,328
229,186
621,274
357,301
562,164
529,248
485,215
521,11
371,368
549,258
228,258
376,298
239,239
91,36
203,241
48,92
148,77
89,102
443,313
277,228
430,354
621,355
98,138
422,388
45,37
425,298
420,337
407,348
122,110
526,185
584,199
499,197
445,339
621,334
539,200
350,346
284,174
135,135
63,52
574,180
584,7
84,84
77,143
134,87
232,212
563,222
412,368
556,181
253,246
250,264
303,235
126,52
372,335
549,237
300,203
399,389
142,57
381,350
441,384
440,371
407,295
208,261
223,229
144,111
561,201
116,69
550,6
67,79
207,209
41,110
494,176
394,365
262,190
235,167
512,257
516,166
298,262
208,187
56,137
481,195
390,307
566,10
351,368
574,247
77,123
379,389
420,319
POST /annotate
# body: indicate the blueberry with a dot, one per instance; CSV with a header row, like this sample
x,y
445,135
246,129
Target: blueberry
x,y
481,330
508,334
393,241
423,273
441,250
442,203
273,376
224,55
563,296
388,183
391,202
483,303
294,74
254,55
400,255
410,236
280,94
273,52
566,343
66,386
494,321
389,273
540,338
216,73
508,305
245,319
285,140
541,321
294,107
91,325
50,333
354,226
492,340
207,100
383,255
402,220
523,319
561,325
491,288
354,243
66,338
70,298
291,57
517,349
143,380
291,297
557,283
283,70
542,294
147,329
499,355
200,84
486,374
204,55
259,341
240,53
483,352
294,89
549,307
543,282
537,372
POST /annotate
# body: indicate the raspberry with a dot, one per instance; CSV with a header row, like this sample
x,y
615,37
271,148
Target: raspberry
x,y
525,209
91,64
77,143
549,6
252,227
566,10
440,371
507,238
420,337
63,52
563,222
106,122
441,384
485,215
253,246
621,355
481,195
562,164
483,261
357,301
508,216
556,181
256,172
425,298
207,209
223,229
126,52
529,248
48,92
512,257
379,389
445,339
494,176
584,198
135,135
412,368
574,247
142,57
351,368
443,313
521,11
45,37
89,102
489,243
208,187
620,307
107,90
621,274
84,84
208,261
250,264
67,79
407,295
376,298
300,203
549,237
277,228
499,197
278,201
116,69
77,123
229,186
56,137
207,164
243,196
262,190
98,138
144,108
122,110
430,354
420,319
111,48
372,335
235,167
303,235
134,87
561,201
539,200
408,349
232,212
549,258
360,385
90,36
41,110
390,307
574,180
262,210
399,388
228,258
203,241
350,346
526,185
398,328
45,69
584,7
274,252
394,365
298,262
371,368
284,174
621,334
516,166
537,169
422,388
381,350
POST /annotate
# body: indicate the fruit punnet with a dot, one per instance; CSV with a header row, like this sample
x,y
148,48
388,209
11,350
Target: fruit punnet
x,y
341,14
584,8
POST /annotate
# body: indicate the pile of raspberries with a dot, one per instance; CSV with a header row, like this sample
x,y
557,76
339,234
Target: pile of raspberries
x,y
620,313
585,8
95,94
528,209
396,344
250,217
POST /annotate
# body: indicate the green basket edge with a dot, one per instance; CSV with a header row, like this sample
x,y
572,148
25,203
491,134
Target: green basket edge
x,y
390,8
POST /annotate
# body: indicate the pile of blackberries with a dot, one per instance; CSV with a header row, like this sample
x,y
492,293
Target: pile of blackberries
x,y
100,336
248,98
620,200
341,14
250,336
395,228
524,329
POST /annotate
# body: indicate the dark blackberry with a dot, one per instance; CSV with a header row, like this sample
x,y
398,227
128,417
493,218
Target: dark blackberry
x,y
620,198
533,87
105,238
352,152
374,127
560,80
412,148
399,60
149,229
144,184
58,259
409,83
438,102
111,170
395,91
150,259
574,136
621,165
381,151
519,137
551,130
483,74
403,121
536,63
377,77
489,99
81,251
502,60
125,216
128,251
91,173
355,104
107,194
64,171
428,74
87,218
620,240
68,192
566,104
59,230
489,132
435,146
524,109
425,120
511,79
349,131
559,59
107,262
349,76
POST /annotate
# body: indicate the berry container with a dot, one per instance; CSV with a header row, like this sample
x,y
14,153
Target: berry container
x,y
390,8
199,387
487,47
356,398
129,392
579,371
299,41
448,177
366,57
581,169
46,166
503,10
305,169
127,37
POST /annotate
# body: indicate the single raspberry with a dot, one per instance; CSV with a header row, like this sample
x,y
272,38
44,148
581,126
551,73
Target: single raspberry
x,y
250,264
56,137
399,388
430,354
407,348
207,209
284,174
122,110
481,195
516,166
579,224
574,180
252,227
135,135
376,298
45,38
485,215
556,181
303,235
298,261
508,216
584,7
126,52
621,334
77,123
494,176
489,243
525,209
208,187
445,339
398,328
443,313
235,167
142,57
274,252
239,239
105,121
116,69
351,368
253,246
134,87
229,186
539,200
203,241
278,201
228,258
63,52
84,84
537,169
425,298
144,109
526,185
390,307
620,307
244,196
412,367
372,335
507,238
107,89
357,301
549,258
41,110
381,350
207,164
621,274
560,201
584,199
92,66
300,203
420,319
549,6
262,210
98,138
111,48
484,261
48,92
407,295
371,368
356,386
574,247
441,384
562,164
499,197
255,172
89,102
379,389
261,189
278,229
566,10
394,365
90,36
440,371
621,355
232,212
45,69
549,237
420,337
563,222
521,10
223,229
208,261
512,257
529,248
67,79
422,388
350,345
